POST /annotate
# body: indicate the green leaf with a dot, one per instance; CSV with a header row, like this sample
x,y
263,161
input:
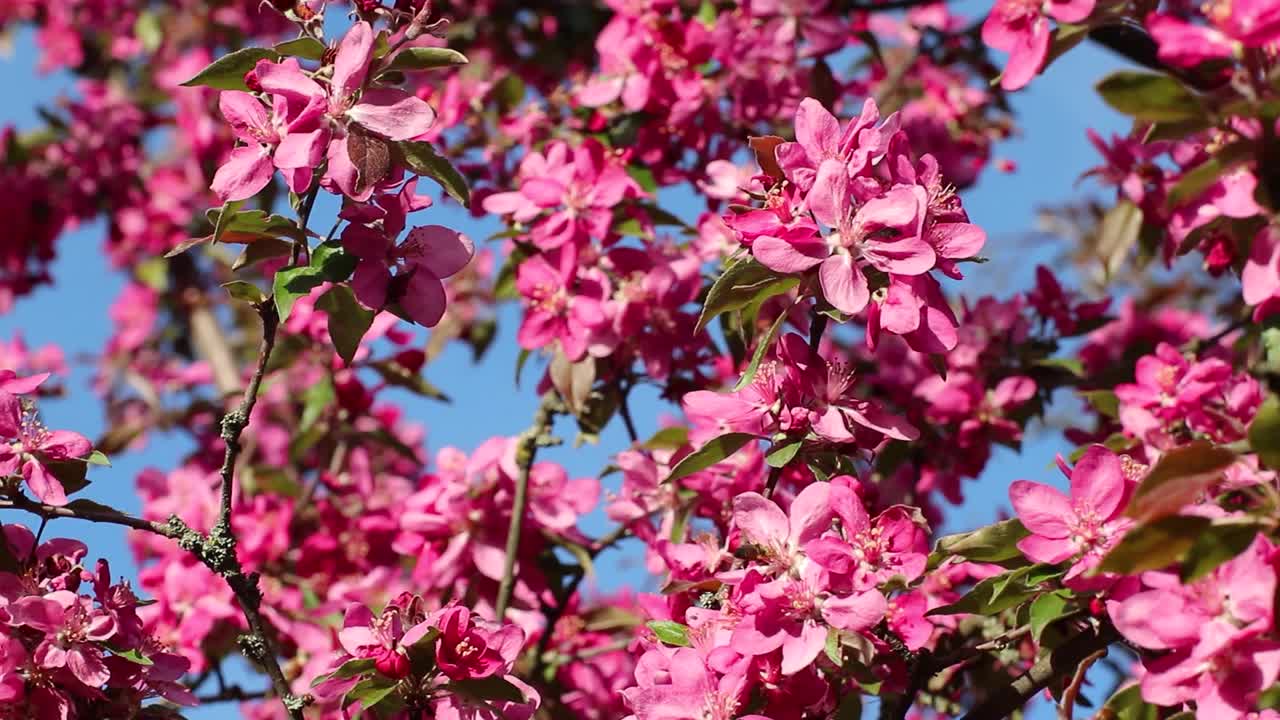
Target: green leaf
x,y
245,292
668,438
1154,545
780,455
1117,234
97,457
1104,401
1195,181
333,263
1264,432
228,71
992,544
1128,705
422,653
493,687
348,669
303,47
994,594
1045,609
423,160
291,284
370,691
741,284
348,320
1178,479
264,249
716,450
133,656
426,58
1221,542
671,633
643,177
393,373
762,348
1149,97
315,400
1065,37
1068,365
707,13
72,474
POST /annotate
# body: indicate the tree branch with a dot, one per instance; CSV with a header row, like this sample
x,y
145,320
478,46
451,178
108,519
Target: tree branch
x,y
537,435
1062,662
95,513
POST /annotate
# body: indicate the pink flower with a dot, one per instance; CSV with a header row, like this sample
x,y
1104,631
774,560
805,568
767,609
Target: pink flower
x,y
560,304
29,445
872,550
1081,527
310,121
73,630
1261,274
428,255
383,638
288,138
685,688
777,536
578,188
798,392
469,648
1021,28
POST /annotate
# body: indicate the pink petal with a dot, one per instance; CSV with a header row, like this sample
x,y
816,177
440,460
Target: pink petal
x,y
1042,509
855,613
1097,483
64,444
843,285
352,61
394,114
810,513
1261,274
1046,550
799,653
957,240
43,484
817,130
246,171
247,117
287,80
424,299
301,150
761,521
1027,55
87,666
441,250
787,257
829,196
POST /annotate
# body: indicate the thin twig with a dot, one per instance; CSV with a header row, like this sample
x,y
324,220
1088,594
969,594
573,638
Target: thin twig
x,y
625,411
1072,691
537,435
1060,662
98,514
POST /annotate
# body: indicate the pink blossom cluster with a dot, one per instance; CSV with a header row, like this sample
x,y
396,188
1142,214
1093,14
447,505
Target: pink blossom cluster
x,y
29,448
431,654
72,645
890,220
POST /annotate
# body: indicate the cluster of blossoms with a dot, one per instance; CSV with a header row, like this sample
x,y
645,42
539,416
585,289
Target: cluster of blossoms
x,y
72,644
890,219
30,449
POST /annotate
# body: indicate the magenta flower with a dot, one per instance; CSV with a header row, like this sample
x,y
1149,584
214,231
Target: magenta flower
x,y
1211,635
797,392
683,687
28,445
871,550
428,255
1080,527
73,629
779,536
1021,28
309,121
469,648
577,188
560,304
288,138
383,638
1261,274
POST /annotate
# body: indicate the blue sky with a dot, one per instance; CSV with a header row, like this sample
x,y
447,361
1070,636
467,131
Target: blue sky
x,y
1050,154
